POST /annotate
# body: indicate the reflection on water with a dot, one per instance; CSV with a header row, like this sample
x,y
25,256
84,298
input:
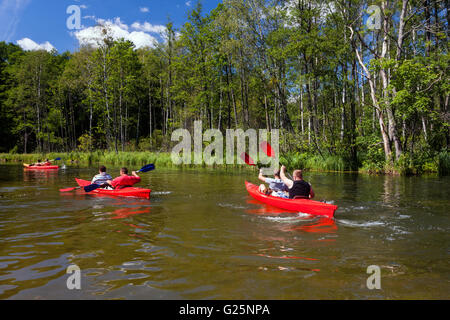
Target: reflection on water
x,y
40,175
126,212
297,221
215,242
322,225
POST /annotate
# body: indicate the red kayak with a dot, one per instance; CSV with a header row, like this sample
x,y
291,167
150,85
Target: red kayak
x,y
126,192
28,167
300,205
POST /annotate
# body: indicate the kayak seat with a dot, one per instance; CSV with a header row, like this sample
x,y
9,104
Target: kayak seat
x,y
301,197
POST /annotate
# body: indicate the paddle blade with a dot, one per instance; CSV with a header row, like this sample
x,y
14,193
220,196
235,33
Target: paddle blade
x,y
147,168
247,159
57,159
267,149
91,187
68,189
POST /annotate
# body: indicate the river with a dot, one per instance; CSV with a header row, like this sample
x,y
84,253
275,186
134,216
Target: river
x,y
201,236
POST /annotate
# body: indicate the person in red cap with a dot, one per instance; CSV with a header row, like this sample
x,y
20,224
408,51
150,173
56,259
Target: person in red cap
x,y
124,180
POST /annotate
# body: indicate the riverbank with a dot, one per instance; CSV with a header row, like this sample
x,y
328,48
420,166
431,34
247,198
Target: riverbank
x,y
439,164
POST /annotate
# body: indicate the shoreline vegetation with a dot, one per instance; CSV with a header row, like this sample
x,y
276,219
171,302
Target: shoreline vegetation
x,y
345,95
440,164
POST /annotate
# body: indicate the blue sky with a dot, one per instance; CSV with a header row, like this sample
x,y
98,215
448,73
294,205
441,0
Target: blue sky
x,y
36,24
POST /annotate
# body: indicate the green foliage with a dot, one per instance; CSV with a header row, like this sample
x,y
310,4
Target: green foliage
x,y
305,161
444,163
85,143
246,64
372,155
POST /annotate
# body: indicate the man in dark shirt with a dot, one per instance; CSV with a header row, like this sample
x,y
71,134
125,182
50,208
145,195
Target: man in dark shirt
x,y
297,188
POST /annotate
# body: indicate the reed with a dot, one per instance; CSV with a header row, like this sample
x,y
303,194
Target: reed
x,y
293,160
444,163
307,161
95,158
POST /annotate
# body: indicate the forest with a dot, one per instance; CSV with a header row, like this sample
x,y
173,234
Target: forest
x,y
360,85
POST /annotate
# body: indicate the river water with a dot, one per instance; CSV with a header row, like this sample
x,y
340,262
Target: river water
x,y
201,236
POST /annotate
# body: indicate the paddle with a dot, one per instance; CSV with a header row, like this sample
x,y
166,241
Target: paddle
x,y
247,159
69,189
268,150
146,168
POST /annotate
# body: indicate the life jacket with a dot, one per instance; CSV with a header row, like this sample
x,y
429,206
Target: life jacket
x,y
300,188
125,182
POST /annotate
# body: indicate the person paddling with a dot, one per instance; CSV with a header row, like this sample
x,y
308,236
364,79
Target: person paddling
x,y
277,188
102,178
124,180
37,164
299,188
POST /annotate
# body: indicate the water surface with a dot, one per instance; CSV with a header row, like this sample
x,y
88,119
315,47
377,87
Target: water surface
x,y
200,236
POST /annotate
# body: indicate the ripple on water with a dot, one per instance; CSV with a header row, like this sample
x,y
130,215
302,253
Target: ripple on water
x,y
163,193
361,224
288,219
230,205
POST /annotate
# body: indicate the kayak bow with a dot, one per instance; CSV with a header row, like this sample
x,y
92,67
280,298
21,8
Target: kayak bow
x,y
300,205
126,192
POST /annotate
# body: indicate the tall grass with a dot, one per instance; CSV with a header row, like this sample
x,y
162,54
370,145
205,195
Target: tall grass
x,y
307,161
444,163
94,158
129,159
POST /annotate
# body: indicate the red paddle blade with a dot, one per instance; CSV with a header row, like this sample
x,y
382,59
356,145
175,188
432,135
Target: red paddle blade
x,y
68,189
267,148
247,159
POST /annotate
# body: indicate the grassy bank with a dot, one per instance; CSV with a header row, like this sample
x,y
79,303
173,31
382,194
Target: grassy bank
x,y
405,166
95,158
131,159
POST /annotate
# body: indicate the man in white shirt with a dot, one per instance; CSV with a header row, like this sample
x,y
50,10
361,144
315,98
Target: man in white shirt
x,y
102,177
277,187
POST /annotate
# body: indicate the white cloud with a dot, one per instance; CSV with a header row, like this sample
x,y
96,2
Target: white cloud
x,y
116,29
29,45
188,3
144,9
142,39
148,27
119,23
83,6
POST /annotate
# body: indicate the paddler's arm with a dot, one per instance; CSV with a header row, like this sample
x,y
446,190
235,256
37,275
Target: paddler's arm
x,y
261,177
288,182
311,193
137,179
